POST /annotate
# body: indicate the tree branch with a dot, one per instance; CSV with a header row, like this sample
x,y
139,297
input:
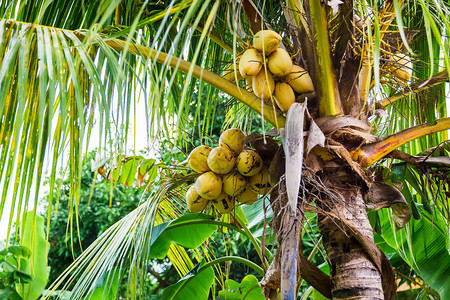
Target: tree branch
x,y
371,153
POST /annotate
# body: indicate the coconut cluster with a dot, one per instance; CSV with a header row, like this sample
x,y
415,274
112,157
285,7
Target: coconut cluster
x,y
227,173
269,71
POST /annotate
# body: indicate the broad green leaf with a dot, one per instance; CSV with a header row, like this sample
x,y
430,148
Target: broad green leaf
x,y
152,174
427,254
116,171
188,231
145,165
22,276
9,267
316,295
3,253
239,213
10,270
230,291
250,288
194,285
129,168
229,295
36,265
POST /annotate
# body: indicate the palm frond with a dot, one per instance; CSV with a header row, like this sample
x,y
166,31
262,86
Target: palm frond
x,y
52,108
79,72
425,99
125,246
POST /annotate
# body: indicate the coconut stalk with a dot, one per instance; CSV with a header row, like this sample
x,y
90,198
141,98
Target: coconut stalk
x,y
415,88
371,153
324,77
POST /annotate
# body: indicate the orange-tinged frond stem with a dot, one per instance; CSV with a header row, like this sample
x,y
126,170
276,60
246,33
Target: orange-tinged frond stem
x,y
371,153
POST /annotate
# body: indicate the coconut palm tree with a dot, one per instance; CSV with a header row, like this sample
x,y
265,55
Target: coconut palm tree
x,y
376,115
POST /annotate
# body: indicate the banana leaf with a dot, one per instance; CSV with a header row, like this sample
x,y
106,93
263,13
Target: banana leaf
x,y
36,264
194,285
188,231
422,245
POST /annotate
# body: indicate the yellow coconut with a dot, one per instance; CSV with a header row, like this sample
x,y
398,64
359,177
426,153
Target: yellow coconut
x,y
266,41
198,159
194,201
284,95
224,203
263,84
247,196
299,80
208,185
232,139
233,184
221,160
232,73
279,62
250,63
259,183
249,163
401,65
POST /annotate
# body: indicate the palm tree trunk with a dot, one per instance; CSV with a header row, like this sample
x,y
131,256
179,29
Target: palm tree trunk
x,y
353,274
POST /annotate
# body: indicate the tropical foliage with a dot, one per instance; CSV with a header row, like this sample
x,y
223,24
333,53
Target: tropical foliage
x,y
375,129
25,273
101,204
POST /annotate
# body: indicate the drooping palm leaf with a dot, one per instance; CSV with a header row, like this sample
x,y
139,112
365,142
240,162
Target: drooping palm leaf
x,y
88,73
131,238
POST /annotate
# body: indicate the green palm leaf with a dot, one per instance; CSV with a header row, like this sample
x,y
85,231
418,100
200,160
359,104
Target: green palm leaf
x,y
422,244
